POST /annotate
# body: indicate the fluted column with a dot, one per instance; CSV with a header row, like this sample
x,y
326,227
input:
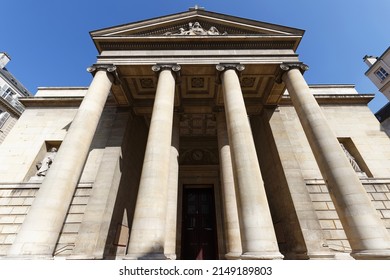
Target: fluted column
x,y
257,231
148,228
231,222
173,181
365,231
40,230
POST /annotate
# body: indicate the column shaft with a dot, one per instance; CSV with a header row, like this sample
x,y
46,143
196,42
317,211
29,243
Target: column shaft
x,y
257,231
232,226
365,231
148,229
40,231
171,218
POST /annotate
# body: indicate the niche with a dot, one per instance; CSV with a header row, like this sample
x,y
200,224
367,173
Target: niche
x,y
43,160
354,157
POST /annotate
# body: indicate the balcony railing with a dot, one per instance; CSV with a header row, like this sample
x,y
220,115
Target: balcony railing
x,y
11,101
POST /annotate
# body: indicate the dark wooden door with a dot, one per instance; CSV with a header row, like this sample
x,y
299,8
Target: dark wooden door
x,y
199,227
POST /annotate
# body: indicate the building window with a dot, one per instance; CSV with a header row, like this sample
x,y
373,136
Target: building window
x,y
3,117
381,73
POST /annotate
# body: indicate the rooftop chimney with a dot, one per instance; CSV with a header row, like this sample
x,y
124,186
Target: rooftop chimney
x,y
370,60
4,59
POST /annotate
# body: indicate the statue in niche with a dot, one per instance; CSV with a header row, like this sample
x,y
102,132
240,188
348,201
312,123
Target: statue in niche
x,y
44,165
351,159
196,29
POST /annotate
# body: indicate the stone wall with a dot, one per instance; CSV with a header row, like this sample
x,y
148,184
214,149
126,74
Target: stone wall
x,y
15,201
73,220
377,189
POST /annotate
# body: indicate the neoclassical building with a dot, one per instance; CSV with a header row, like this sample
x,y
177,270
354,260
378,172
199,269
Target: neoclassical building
x,y
198,138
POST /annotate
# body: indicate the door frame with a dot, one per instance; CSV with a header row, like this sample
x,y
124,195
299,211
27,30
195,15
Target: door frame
x,y
190,175
210,190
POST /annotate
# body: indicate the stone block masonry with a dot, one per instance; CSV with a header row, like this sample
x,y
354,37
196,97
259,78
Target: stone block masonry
x,y
15,202
379,193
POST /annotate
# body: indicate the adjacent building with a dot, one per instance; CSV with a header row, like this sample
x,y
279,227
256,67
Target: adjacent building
x,y
198,138
378,72
10,90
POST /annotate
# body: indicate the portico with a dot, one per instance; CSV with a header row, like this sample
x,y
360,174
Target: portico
x,y
196,83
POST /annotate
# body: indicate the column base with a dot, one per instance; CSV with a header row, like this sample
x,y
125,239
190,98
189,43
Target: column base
x,y
146,256
170,256
321,256
262,256
371,255
29,257
84,257
233,256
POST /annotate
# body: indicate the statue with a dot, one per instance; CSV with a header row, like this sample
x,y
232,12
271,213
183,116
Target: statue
x,y
351,159
196,29
45,164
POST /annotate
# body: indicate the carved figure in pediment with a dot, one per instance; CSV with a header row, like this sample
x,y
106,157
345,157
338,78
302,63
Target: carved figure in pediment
x,y
196,29
213,31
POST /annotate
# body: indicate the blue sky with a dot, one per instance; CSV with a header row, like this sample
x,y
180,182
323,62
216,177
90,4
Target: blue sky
x,y
49,42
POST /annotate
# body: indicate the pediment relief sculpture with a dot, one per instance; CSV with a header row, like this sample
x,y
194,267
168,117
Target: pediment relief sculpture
x,y
196,29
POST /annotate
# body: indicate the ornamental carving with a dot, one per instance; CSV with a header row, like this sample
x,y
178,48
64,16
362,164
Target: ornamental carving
x,y
196,29
147,83
198,156
197,82
248,82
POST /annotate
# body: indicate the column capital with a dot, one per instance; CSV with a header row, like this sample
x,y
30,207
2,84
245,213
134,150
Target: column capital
x,y
110,68
226,66
174,67
222,67
285,67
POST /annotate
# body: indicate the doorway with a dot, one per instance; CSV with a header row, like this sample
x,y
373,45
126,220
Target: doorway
x,y
199,232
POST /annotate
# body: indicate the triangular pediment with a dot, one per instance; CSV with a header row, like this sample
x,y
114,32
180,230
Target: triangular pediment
x,y
225,24
195,23
172,24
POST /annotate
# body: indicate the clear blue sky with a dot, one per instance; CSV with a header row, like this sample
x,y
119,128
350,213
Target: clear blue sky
x,y
49,41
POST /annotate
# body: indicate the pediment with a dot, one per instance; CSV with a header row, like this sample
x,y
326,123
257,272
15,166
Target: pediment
x,y
213,24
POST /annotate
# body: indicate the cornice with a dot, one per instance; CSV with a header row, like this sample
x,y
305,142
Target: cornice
x,y
29,102
55,101
329,99
193,43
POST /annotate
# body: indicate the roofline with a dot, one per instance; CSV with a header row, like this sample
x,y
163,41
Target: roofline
x,y
332,85
202,12
377,61
11,80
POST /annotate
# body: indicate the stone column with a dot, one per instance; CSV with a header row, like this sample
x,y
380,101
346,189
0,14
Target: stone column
x,y
148,228
232,226
173,181
39,233
257,231
365,231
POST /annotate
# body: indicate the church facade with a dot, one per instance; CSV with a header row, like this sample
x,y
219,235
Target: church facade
x,y
198,138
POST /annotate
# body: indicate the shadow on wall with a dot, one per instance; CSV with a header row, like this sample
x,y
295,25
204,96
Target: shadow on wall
x,y
133,148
